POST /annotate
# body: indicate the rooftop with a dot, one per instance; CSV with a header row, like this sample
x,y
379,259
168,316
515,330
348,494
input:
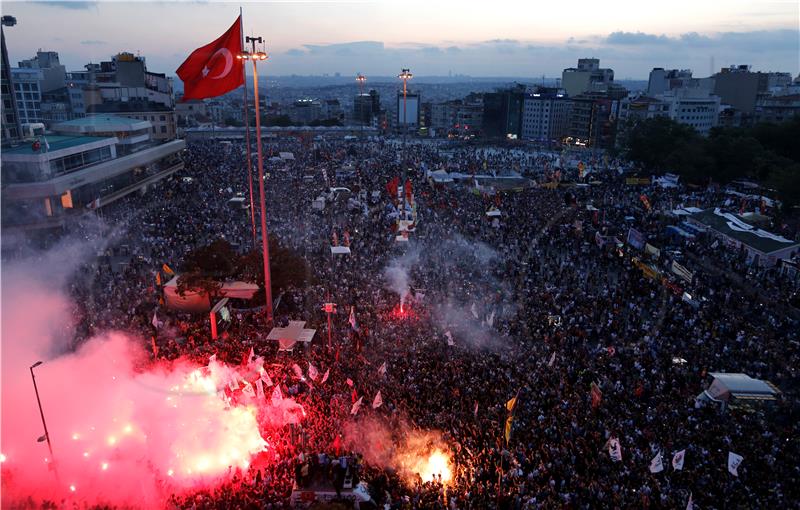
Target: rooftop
x,y
738,228
101,124
56,142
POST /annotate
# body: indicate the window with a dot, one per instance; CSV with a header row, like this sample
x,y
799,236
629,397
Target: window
x,y
163,129
163,118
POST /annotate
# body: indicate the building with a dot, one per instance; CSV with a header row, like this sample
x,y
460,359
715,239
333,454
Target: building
x,y
502,112
762,248
28,94
587,77
305,111
443,117
408,111
546,115
642,107
86,164
191,113
693,107
12,129
777,108
593,120
53,74
663,80
163,121
469,118
331,109
366,107
741,88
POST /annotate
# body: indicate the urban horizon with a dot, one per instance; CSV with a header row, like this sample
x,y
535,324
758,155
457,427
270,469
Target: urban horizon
x,y
768,41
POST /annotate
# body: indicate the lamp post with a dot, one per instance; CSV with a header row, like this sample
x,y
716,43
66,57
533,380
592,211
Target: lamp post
x,y
405,75
361,79
46,436
256,56
248,156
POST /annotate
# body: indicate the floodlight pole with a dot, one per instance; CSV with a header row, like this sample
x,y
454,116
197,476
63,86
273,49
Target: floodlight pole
x,y
254,56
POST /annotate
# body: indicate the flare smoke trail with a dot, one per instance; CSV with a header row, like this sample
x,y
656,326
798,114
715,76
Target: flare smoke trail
x,y
123,431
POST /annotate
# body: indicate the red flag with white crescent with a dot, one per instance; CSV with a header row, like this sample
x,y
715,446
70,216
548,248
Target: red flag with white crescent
x,y
214,69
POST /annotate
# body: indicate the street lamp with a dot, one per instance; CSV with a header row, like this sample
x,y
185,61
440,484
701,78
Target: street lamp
x,y
46,436
361,79
405,75
256,56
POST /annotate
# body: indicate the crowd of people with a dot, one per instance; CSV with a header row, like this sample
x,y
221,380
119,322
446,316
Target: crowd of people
x,y
528,306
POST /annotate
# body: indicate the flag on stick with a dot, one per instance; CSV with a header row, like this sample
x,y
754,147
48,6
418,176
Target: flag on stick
x,y
734,460
265,377
248,389
312,372
378,401
657,464
382,369
615,449
277,396
597,395
325,377
509,421
677,460
356,406
213,69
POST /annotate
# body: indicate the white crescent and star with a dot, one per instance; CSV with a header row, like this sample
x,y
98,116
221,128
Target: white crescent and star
x,y
228,64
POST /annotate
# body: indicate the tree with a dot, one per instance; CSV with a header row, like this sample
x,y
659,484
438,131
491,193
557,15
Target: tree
x,y
651,141
205,268
786,180
287,268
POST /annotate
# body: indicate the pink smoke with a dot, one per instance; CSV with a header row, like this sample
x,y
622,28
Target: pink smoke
x,y
123,431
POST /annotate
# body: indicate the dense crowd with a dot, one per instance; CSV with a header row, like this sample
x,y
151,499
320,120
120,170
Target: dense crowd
x,y
529,306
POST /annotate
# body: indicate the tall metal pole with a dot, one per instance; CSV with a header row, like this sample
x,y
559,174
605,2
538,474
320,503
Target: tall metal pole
x,y
247,138
41,412
404,75
361,79
264,235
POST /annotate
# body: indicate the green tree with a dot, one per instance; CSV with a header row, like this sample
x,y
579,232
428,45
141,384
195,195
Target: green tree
x,y
287,268
651,141
205,268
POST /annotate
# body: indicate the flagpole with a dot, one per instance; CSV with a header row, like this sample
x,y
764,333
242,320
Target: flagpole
x,y
247,135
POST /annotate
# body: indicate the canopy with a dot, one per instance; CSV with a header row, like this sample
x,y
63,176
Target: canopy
x,y
288,337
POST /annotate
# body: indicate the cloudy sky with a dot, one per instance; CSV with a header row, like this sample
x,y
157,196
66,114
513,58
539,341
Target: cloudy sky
x,y
434,37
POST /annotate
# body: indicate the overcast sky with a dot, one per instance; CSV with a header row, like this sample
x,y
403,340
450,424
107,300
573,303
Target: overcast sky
x,y
482,38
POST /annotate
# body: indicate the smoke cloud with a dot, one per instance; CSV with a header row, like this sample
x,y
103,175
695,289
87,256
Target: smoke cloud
x,y
122,429
399,447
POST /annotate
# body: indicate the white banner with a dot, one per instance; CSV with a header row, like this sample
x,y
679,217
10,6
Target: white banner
x,y
615,449
677,460
657,464
734,460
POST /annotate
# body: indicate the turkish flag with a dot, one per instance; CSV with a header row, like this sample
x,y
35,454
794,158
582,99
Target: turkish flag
x,y
213,70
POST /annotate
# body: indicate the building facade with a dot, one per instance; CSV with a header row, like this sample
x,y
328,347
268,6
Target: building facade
x,y
502,112
587,77
546,115
12,129
27,94
88,163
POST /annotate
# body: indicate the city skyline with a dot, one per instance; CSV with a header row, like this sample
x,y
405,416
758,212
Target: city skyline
x,y
509,40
